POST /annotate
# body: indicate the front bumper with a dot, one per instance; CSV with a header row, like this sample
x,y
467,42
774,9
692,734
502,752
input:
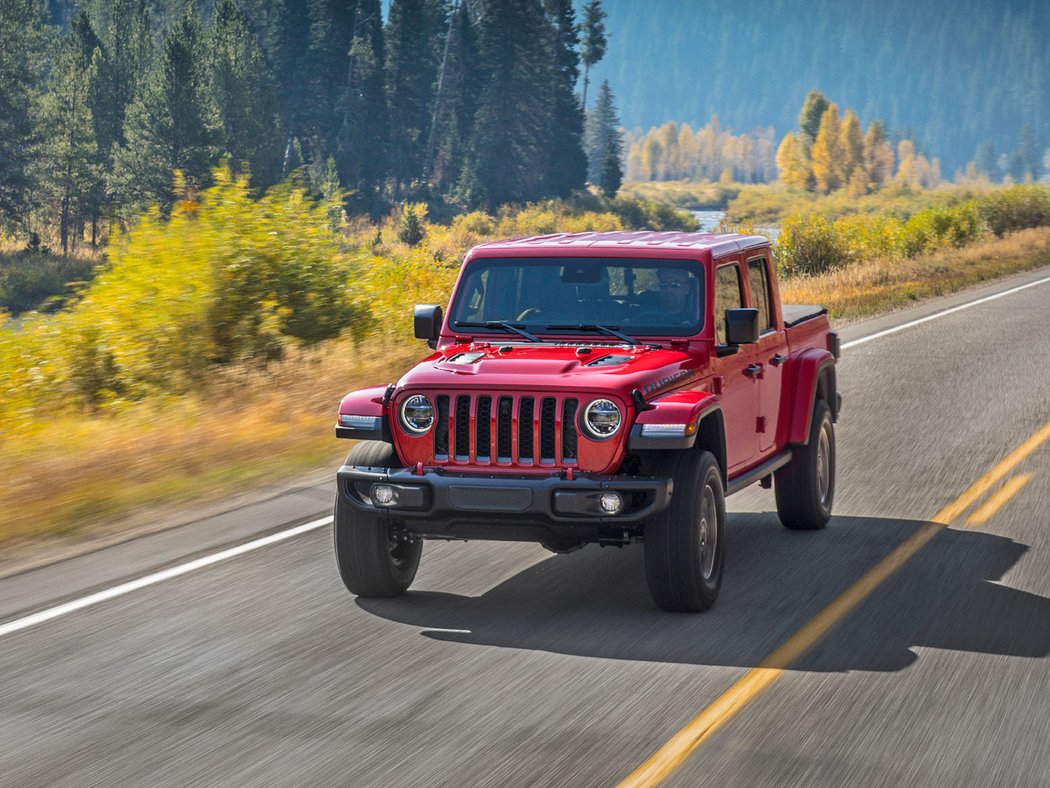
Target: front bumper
x,y
517,508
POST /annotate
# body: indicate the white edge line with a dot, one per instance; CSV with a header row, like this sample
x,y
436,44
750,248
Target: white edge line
x,y
942,313
191,566
157,577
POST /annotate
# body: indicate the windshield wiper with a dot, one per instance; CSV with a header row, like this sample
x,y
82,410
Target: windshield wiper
x,y
494,324
609,331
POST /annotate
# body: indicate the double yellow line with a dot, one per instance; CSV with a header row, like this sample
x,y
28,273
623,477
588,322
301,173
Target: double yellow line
x,y
669,757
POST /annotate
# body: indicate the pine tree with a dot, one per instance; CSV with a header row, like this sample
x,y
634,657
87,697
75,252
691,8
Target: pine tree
x,y
65,157
852,146
286,40
332,30
454,103
93,56
505,163
1029,154
792,163
605,143
987,162
612,169
172,124
602,122
594,41
243,91
414,39
125,54
809,118
360,143
828,154
22,41
1016,167
566,163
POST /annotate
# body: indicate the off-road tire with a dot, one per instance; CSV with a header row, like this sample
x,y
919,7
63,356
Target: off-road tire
x,y
370,562
805,487
685,544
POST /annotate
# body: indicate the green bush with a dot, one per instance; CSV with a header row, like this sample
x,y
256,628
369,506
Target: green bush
x,y
1015,208
809,244
225,278
644,215
937,228
867,236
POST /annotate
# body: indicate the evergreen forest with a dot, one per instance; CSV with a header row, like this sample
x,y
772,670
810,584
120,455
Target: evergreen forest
x,y
110,107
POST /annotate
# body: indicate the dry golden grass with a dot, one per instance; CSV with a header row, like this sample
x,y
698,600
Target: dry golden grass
x,y
865,289
251,428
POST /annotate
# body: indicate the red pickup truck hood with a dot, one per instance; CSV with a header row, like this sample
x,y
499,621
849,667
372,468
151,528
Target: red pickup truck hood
x,y
613,369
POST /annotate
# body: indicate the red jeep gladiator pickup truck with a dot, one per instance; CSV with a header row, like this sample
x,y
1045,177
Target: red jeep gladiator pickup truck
x,y
594,387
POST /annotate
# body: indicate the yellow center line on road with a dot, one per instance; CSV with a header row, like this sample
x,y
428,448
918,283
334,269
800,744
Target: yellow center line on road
x,y
990,479
997,500
671,755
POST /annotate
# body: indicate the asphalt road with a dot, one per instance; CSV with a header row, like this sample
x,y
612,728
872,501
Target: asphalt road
x,y
509,666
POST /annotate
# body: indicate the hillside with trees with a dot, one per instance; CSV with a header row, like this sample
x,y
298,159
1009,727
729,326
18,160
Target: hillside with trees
x,y
110,107
951,76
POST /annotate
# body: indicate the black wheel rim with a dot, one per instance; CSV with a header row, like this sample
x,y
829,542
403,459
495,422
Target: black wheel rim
x,y
824,465
708,532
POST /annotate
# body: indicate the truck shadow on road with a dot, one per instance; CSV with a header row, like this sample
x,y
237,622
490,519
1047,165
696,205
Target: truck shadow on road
x,y
595,602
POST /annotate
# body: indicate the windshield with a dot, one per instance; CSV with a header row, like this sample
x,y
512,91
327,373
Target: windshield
x,y
637,297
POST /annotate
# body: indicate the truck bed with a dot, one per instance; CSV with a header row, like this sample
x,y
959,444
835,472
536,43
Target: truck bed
x,y
799,313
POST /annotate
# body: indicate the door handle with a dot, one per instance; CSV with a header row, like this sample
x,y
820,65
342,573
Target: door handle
x,y
753,370
777,360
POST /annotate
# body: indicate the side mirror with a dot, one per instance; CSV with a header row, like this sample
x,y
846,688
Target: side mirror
x,y
427,319
741,326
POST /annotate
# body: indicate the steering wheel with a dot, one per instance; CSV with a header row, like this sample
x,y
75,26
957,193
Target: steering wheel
x,y
532,311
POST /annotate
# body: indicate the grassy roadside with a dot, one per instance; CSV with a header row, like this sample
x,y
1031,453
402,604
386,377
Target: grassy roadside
x,y
80,475
869,288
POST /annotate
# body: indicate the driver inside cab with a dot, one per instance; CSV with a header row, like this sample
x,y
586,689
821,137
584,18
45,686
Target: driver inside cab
x,y
676,297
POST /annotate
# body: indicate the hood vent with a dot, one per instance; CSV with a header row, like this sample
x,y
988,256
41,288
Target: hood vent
x,y
610,360
466,358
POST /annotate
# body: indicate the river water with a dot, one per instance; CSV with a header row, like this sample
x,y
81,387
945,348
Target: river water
x,y
709,220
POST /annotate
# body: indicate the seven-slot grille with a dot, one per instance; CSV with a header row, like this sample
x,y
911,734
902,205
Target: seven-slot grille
x,y
505,429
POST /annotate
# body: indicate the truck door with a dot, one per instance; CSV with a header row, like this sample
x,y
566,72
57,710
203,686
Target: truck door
x,y
739,386
771,352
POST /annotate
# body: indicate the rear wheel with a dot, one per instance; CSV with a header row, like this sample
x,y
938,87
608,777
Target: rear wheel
x,y
805,487
685,544
374,559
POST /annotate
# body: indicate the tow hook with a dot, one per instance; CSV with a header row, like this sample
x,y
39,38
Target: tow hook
x,y
614,537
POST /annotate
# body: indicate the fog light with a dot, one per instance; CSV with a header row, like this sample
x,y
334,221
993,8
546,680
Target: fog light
x,y
382,494
610,502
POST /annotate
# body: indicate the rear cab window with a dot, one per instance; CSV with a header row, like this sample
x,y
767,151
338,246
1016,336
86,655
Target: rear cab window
x,y
729,294
761,293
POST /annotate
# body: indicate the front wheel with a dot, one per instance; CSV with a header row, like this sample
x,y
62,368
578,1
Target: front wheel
x,y
805,487
685,544
373,561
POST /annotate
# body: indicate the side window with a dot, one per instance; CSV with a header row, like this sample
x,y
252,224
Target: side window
x,y
728,295
758,278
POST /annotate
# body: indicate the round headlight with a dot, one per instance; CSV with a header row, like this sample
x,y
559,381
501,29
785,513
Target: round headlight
x,y
602,419
417,414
